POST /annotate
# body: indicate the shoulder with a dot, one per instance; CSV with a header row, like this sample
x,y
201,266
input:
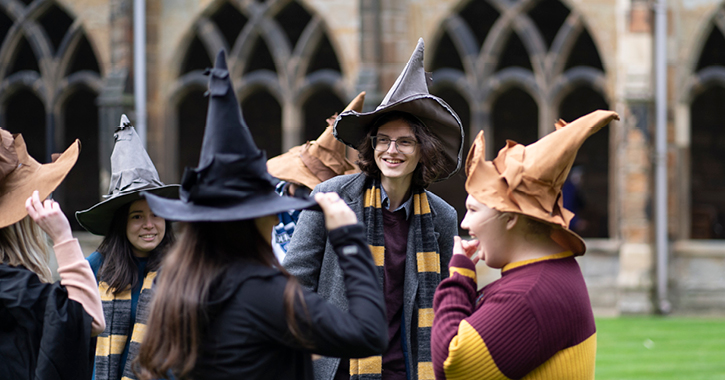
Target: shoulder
x,y
238,275
440,207
343,183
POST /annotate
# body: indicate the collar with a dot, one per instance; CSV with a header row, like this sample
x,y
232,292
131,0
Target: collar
x,y
554,256
407,205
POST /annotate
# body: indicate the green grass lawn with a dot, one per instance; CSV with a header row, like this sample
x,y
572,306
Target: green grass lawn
x,y
660,348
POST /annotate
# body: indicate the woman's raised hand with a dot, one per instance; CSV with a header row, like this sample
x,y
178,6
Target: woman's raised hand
x,y
466,247
49,217
337,213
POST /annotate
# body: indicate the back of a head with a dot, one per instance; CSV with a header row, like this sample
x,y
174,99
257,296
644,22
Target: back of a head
x,y
24,243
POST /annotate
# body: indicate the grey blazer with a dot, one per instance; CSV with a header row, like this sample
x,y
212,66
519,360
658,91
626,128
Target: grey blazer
x,y
311,259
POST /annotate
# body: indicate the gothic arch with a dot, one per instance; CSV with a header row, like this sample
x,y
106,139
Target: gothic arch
x,y
280,47
46,55
703,213
489,49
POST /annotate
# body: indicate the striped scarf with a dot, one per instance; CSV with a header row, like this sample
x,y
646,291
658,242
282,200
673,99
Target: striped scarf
x,y
111,342
428,258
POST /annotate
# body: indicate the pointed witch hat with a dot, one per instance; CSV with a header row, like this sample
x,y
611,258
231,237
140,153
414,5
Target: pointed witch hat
x,y
528,179
20,175
131,172
410,94
231,181
316,161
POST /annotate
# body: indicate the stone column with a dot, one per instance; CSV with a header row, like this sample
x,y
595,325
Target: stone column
x,y
114,98
635,281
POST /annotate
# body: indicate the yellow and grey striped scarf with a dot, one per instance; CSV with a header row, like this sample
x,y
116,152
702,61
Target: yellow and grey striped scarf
x,y
111,342
429,276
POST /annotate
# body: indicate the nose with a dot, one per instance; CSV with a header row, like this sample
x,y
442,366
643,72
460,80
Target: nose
x,y
147,223
464,222
393,147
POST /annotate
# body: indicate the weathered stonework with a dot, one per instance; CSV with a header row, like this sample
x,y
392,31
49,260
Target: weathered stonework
x,y
372,40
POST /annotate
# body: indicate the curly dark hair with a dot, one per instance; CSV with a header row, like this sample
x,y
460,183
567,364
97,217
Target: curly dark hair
x,y
433,162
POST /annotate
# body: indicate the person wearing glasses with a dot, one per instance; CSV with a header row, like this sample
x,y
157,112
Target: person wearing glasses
x,y
410,141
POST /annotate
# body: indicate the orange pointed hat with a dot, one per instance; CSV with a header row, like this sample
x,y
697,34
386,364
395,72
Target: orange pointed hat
x,y
316,161
528,179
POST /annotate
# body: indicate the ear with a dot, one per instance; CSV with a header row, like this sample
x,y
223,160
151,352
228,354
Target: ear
x,y
512,220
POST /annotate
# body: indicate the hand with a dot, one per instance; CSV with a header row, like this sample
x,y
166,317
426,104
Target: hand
x,y
466,247
337,213
49,217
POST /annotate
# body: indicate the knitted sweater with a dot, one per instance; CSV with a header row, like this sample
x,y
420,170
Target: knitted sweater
x,y
535,322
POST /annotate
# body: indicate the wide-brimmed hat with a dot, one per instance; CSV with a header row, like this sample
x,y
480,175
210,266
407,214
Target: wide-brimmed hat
x,y
231,181
318,160
20,175
528,179
410,94
131,172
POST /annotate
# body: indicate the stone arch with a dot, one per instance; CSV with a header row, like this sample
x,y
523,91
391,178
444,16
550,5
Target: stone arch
x,y
319,100
46,58
490,50
705,91
274,49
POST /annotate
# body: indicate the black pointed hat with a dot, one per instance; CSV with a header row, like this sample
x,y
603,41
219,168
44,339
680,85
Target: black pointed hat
x,y
410,94
231,181
132,171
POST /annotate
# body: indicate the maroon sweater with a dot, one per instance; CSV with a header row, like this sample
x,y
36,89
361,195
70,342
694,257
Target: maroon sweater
x,y
396,243
536,321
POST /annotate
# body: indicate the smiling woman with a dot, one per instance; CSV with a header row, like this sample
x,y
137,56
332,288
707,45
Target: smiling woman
x,y
144,230
125,264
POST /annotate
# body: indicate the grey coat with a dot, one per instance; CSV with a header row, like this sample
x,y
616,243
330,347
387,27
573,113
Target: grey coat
x,y
312,260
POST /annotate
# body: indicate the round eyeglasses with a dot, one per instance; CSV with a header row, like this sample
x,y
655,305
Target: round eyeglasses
x,y
404,145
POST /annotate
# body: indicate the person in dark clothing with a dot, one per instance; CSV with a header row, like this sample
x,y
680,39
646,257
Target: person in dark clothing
x,y
45,328
224,307
129,257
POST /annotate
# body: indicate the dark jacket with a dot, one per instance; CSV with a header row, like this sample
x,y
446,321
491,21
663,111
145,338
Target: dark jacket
x,y
247,336
43,334
310,258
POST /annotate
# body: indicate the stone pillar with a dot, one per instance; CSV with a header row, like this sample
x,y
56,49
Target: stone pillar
x,y
370,53
634,168
116,96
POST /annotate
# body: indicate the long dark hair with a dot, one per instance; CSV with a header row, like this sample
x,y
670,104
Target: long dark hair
x,y
433,162
177,318
119,269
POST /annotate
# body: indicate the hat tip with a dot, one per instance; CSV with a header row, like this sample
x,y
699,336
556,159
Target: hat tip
x,y
124,121
221,60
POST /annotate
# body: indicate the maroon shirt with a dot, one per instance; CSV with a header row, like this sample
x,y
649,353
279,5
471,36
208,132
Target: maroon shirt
x,y
395,229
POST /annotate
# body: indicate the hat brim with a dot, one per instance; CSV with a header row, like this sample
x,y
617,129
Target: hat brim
x,y
351,127
97,219
19,185
569,240
289,167
268,203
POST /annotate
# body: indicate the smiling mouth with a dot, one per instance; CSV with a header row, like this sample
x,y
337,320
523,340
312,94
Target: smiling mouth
x,y
392,161
152,236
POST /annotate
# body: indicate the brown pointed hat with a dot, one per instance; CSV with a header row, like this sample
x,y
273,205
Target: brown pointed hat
x,y
410,94
20,175
316,161
528,179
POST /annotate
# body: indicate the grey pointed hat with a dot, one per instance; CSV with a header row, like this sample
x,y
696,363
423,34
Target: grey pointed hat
x,y
410,94
131,172
231,182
